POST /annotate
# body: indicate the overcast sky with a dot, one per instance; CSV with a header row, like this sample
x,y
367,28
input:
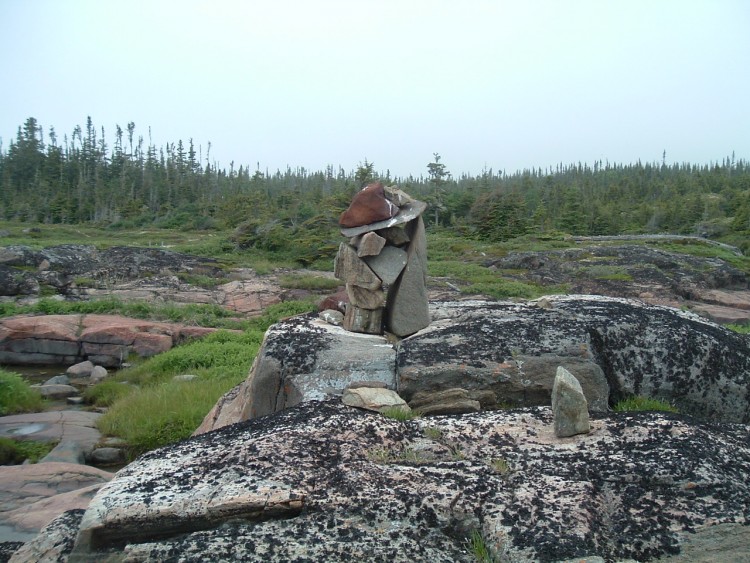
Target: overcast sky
x,y
498,84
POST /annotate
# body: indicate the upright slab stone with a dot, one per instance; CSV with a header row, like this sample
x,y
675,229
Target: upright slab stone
x,y
349,268
569,405
407,309
389,264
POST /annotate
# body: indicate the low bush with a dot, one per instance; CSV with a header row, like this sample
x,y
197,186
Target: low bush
x,y
16,395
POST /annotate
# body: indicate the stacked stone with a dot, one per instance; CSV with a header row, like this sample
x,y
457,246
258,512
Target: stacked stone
x,y
384,264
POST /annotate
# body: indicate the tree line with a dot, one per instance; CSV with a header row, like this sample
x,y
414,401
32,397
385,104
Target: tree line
x,y
128,182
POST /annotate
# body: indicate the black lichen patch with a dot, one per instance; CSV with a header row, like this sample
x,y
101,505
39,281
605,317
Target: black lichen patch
x,y
630,489
296,343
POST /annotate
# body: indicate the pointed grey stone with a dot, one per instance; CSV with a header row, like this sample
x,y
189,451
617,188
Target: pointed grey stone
x,y
408,212
388,264
407,308
349,268
569,405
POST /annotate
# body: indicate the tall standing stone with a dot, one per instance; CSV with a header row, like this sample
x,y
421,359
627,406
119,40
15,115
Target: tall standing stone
x,y
407,309
569,406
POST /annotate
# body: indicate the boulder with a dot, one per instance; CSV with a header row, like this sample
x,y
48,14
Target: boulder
x,y
368,206
374,399
332,317
570,411
303,359
107,456
78,427
97,374
58,380
407,310
55,391
341,484
616,347
336,302
81,369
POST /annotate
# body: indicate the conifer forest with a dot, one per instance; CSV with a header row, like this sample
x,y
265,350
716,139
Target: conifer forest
x,y
118,180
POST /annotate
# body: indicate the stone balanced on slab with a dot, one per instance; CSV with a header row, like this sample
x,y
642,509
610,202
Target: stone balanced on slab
x,y
384,263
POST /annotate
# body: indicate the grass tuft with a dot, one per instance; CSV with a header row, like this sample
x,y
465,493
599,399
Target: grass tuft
x,y
16,395
639,403
15,452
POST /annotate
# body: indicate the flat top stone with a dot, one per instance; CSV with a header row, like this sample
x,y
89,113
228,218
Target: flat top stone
x,y
408,212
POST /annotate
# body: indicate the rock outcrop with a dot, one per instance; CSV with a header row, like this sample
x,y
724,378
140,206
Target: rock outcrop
x,y
710,286
325,482
303,359
503,354
106,340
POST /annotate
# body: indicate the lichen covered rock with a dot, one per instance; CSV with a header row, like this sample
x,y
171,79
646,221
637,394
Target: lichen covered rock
x,y
338,483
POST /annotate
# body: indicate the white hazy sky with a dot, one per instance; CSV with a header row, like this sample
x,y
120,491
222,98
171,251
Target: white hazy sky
x,y
502,84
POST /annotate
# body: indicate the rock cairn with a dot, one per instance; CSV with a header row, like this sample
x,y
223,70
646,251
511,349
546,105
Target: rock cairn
x,y
384,264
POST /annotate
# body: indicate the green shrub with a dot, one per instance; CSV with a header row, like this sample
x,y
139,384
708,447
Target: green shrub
x,y
742,329
15,452
639,403
16,395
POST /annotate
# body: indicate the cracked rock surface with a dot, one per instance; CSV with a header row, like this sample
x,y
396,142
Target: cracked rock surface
x,y
326,482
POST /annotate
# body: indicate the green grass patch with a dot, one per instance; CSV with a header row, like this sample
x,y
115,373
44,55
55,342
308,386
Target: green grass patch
x,y
742,329
308,281
196,314
398,413
639,403
148,409
605,272
15,452
162,414
475,279
17,396
107,393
